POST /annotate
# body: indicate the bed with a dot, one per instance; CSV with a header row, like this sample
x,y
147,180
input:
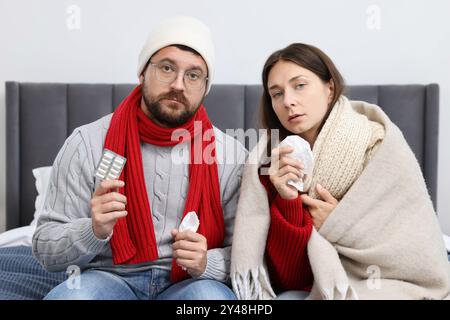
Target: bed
x,y
40,116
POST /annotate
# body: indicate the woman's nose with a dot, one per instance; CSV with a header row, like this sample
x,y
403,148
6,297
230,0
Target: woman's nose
x,y
289,100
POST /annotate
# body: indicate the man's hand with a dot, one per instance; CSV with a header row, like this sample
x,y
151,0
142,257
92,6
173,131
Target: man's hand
x,y
320,210
107,207
284,168
189,250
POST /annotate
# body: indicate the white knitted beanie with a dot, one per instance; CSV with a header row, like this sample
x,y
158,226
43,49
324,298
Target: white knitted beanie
x,y
181,30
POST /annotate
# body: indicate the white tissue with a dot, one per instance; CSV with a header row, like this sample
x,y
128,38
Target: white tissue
x,y
190,222
302,151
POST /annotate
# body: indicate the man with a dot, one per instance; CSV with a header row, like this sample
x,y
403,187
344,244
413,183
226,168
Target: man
x,y
123,234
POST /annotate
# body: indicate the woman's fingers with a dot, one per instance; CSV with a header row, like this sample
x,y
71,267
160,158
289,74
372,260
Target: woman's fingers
x,y
289,169
288,161
280,157
288,192
284,168
325,194
280,151
287,177
310,202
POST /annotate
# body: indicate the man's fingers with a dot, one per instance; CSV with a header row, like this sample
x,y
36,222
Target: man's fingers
x,y
325,194
189,235
185,254
106,185
186,263
112,206
118,214
185,245
111,216
112,196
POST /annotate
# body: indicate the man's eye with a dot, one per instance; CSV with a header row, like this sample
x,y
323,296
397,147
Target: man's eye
x,y
167,68
300,85
193,76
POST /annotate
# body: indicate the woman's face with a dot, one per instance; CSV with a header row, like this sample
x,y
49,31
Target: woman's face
x,y
300,98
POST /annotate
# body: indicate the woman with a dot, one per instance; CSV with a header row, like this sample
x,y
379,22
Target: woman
x,y
365,228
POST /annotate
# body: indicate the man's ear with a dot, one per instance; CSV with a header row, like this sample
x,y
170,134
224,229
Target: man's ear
x,y
141,78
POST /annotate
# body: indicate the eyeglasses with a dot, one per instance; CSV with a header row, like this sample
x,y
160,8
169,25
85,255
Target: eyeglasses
x,y
167,73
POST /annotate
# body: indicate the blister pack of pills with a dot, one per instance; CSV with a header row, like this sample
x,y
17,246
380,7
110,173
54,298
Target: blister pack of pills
x,y
110,166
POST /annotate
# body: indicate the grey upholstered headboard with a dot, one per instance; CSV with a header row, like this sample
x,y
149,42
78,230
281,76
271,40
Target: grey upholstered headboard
x,y
39,117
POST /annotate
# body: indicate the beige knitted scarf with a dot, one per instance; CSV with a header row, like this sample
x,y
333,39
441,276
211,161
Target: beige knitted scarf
x,y
340,149
341,153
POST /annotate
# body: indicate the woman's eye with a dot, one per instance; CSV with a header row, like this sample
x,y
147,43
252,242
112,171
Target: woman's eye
x,y
300,85
276,95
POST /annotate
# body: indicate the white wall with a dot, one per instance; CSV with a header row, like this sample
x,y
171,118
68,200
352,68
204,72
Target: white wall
x,y
412,45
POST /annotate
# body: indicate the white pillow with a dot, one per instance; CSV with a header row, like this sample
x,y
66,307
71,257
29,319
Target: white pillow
x,y
42,176
24,236
447,242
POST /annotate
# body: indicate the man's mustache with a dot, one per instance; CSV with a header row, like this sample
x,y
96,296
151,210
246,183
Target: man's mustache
x,y
173,95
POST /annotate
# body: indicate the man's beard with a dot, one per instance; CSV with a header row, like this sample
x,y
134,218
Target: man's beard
x,y
159,112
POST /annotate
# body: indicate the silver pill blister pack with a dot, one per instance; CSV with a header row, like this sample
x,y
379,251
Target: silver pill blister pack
x,y
110,166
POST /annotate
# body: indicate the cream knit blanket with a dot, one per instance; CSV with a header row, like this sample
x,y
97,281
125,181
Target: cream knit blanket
x,y
382,241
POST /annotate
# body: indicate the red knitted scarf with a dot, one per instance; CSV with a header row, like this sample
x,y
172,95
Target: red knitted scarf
x,y
133,240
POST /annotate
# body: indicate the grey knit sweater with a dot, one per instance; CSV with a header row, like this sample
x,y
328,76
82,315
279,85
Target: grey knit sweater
x,y
64,235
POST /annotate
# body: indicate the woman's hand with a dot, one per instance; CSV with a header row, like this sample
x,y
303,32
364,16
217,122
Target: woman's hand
x,y
282,169
320,210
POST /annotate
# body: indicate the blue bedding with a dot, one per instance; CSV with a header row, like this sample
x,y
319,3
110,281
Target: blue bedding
x,y
22,277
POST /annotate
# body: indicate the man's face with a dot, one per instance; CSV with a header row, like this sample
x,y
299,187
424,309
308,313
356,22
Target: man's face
x,y
172,104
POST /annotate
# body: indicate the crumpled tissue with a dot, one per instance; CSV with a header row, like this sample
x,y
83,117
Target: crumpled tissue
x,y
302,151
